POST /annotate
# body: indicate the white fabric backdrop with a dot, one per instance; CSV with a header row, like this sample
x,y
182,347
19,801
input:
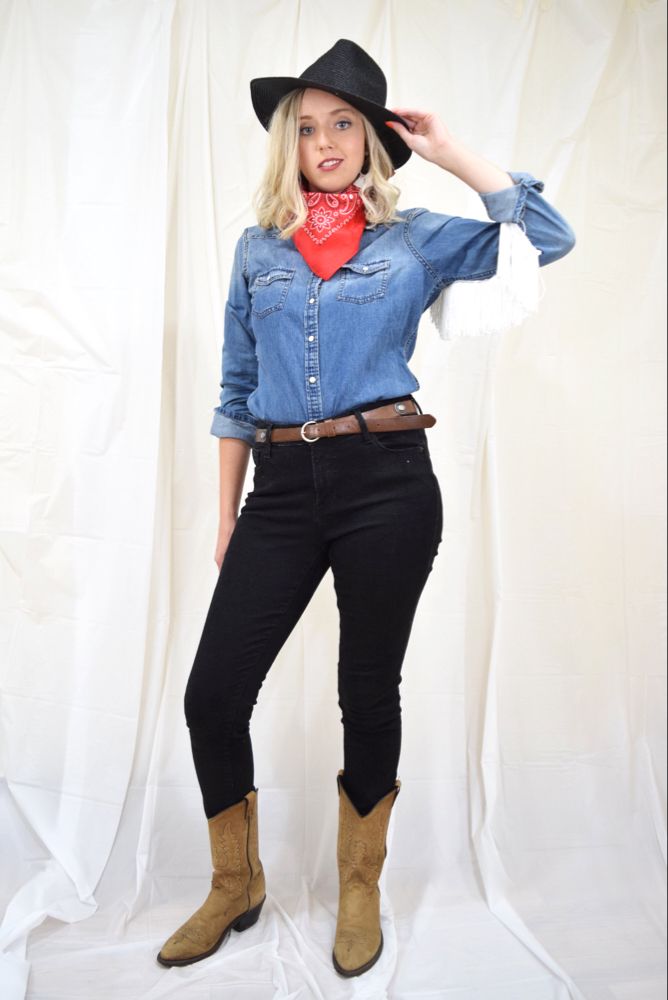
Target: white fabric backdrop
x,y
526,857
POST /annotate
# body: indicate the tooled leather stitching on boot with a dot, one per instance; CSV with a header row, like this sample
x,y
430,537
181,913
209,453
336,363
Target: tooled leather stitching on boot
x,y
227,865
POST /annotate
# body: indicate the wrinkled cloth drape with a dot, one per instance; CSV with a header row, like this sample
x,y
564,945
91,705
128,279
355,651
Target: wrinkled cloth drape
x,y
526,857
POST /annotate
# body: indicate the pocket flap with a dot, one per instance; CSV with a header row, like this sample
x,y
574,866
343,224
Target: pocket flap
x,y
368,267
273,275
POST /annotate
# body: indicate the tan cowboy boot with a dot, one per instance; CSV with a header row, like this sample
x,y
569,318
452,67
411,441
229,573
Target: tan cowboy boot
x,y
361,852
237,886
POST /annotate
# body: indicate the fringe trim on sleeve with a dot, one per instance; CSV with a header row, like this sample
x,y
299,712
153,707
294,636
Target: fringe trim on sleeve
x,y
493,305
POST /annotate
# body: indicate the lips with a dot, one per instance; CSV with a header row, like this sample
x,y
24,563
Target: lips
x,y
329,164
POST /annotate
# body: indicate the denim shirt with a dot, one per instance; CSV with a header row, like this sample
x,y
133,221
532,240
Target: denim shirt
x,y
297,347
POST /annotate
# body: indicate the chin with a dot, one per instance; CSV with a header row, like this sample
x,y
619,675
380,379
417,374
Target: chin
x,y
330,183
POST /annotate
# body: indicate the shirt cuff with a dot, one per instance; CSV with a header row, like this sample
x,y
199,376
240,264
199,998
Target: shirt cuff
x,y
224,426
507,205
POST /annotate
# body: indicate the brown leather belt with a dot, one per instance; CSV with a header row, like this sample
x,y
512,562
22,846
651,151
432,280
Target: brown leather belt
x,y
399,416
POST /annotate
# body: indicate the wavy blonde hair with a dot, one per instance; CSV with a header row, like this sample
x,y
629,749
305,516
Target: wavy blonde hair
x,y
278,200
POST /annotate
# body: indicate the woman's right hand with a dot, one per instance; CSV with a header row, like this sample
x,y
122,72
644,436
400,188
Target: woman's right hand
x,y
224,531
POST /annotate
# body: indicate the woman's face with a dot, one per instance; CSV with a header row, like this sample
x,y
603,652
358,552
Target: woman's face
x,y
329,129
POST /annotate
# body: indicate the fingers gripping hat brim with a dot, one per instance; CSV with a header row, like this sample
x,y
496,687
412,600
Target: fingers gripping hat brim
x,y
345,63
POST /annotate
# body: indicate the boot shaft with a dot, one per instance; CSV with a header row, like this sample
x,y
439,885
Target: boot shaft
x,y
361,842
234,839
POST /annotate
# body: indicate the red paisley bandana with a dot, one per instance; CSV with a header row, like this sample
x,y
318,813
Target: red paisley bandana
x,y
333,229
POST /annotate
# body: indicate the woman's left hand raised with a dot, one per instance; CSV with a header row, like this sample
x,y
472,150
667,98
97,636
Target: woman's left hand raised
x,y
428,136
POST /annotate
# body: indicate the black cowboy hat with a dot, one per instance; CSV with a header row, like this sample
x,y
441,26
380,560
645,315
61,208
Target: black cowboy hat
x,y
349,72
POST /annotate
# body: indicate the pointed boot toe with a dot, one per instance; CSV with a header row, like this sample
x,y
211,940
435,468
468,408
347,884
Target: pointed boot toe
x,y
350,955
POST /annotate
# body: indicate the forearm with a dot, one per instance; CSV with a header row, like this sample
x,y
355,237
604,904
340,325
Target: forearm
x,y
233,454
483,176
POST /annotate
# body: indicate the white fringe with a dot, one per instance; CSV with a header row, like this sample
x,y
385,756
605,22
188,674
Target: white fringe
x,y
493,305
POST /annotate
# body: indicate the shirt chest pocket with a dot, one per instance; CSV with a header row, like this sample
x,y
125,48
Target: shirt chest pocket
x,y
363,282
268,290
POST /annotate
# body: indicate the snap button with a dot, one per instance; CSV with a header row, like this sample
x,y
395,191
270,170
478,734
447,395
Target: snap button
x,y
311,301
312,378
263,434
365,268
311,337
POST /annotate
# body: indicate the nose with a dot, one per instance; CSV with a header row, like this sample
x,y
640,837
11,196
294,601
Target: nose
x,y
323,140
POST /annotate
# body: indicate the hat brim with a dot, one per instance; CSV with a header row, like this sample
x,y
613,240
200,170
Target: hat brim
x,y
267,91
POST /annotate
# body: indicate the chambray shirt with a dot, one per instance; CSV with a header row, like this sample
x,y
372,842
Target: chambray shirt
x,y
297,347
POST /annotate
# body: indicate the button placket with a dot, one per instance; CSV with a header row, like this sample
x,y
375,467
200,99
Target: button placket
x,y
312,353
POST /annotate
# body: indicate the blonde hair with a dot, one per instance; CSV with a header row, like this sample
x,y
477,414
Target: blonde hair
x,y
278,200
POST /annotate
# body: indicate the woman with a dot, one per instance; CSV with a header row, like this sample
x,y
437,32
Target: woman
x,y
323,309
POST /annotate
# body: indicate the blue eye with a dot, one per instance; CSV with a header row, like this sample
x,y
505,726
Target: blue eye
x,y
341,121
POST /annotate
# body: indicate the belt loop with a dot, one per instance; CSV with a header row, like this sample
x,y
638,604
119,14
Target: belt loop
x,y
268,446
363,427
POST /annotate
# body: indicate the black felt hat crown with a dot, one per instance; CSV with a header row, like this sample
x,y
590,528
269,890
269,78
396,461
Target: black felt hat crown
x,y
349,72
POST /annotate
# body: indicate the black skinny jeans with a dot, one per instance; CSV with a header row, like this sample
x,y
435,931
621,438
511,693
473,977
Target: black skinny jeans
x,y
367,505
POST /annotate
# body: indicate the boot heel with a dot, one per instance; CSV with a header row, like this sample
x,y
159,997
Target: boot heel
x,y
249,918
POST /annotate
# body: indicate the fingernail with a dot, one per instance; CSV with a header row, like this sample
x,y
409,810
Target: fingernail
x,y
390,124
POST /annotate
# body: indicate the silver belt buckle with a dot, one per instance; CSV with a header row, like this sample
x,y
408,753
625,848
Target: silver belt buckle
x,y
309,439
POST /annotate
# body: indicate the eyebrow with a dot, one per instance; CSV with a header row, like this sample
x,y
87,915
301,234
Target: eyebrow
x,y
334,111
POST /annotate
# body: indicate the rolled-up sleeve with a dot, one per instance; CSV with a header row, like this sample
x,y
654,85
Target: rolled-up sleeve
x,y
523,203
232,418
455,248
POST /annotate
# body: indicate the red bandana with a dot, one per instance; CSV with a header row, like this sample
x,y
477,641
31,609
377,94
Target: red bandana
x,y
333,229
